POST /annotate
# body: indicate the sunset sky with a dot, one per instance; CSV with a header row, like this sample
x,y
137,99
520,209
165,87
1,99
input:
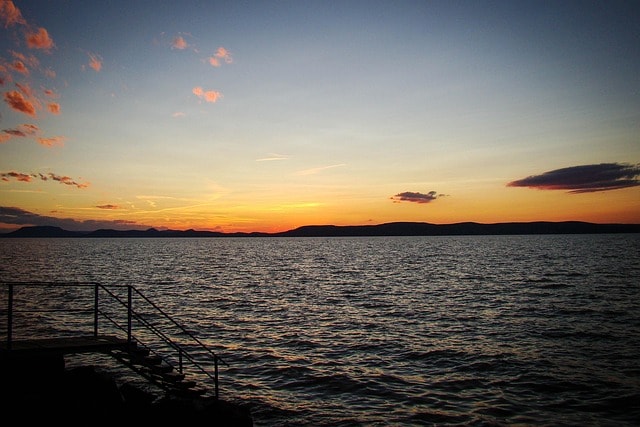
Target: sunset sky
x,y
266,116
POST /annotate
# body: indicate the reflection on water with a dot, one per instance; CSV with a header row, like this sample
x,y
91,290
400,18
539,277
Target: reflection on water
x,y
534,330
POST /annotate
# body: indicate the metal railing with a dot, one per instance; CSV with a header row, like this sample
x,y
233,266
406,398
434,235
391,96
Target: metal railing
x,y
145,314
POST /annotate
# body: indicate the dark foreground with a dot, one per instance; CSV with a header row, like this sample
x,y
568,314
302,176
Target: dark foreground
x,y
44,390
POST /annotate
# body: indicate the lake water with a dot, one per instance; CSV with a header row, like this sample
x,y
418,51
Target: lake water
x,y
465,330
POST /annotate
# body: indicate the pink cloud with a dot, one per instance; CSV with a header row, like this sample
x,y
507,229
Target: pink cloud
x,y
18,176
221,54
224,54
54,108
4,75
50,73
24,177
16,101
209,96
39,40
66,180
4,137
30,60
95,62
51,142
19,67
212,96
25,89
23,130
10,14
29,127
179,43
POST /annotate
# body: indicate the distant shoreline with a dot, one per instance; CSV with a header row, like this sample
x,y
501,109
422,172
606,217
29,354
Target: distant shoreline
x,y
387,229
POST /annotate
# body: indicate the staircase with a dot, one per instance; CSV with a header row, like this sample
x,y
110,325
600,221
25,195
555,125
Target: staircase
x,y
126,325
158,371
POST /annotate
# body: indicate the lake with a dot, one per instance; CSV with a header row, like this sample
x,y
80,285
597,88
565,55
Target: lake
x,y
447,330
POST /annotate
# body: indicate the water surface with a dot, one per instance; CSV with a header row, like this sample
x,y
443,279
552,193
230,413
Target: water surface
x,y
468,330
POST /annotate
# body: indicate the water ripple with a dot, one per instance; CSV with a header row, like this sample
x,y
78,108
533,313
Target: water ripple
x,y
447,331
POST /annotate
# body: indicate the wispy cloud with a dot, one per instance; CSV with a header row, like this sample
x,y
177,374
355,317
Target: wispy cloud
x,y
178,114
314,171
108,207
18,102
584,178
54,108
273,157
24,177
209,95
20,217
39,39
29,60
27,130
9,14
416,197
224,54
179,43
23,130
221,54
63,180
54,141
18,176
19,67
95,61
5,76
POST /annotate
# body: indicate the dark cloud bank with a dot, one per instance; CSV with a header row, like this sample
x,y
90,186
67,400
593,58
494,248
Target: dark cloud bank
x,y
416,197
21,217
585,178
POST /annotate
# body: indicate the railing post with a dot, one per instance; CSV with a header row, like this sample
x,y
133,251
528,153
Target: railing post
x,y
180,359
95,310
9,316
215,375
129,314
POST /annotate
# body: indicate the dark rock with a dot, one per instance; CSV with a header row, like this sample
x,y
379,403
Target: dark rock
x,y
86,390
42,390
135,398
213,412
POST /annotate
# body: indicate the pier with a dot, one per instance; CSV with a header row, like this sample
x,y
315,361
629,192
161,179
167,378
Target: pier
x,y
46,322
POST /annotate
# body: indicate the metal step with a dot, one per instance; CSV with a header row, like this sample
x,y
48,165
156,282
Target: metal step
x,y
161,369
172,376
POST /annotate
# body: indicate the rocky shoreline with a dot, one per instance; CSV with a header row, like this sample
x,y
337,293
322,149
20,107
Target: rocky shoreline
x,y
46,390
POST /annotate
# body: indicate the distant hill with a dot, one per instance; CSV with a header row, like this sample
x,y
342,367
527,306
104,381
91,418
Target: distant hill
x,y
43,231
388,229
49,231
463,228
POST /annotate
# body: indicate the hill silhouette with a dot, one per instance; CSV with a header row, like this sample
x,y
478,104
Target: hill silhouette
x,y
387,229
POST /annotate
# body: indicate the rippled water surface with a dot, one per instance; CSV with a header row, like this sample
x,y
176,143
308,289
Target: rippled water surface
x,y
482,330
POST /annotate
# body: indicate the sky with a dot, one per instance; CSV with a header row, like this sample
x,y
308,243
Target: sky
x,y
270,115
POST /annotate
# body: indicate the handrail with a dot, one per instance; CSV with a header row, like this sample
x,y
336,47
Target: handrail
x,y
185,331
131,314
169,341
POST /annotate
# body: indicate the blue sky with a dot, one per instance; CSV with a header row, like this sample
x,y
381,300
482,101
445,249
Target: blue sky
x,y
261,116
